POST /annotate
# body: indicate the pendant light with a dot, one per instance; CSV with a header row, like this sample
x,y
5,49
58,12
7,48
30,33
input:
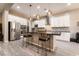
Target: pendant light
x,y
38,16
48,26
30,18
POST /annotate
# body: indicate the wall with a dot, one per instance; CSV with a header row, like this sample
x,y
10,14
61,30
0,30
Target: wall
x,y
0,18
74,18
20,20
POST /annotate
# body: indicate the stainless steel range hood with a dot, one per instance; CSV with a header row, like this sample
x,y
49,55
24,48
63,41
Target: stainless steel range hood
x,y
47,20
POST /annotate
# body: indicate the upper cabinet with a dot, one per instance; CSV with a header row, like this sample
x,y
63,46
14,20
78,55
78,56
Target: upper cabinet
x,y
40,23
55,21
60,21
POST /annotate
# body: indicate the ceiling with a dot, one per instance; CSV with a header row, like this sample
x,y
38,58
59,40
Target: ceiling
x,y
55,8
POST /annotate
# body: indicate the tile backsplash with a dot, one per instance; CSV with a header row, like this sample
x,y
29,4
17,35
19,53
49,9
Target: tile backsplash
x,y
61,29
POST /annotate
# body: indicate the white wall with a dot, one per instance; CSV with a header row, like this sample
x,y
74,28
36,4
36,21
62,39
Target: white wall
x,y
20,20
74,18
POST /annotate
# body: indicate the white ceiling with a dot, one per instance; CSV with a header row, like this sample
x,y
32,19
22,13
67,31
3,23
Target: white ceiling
x,y
54,7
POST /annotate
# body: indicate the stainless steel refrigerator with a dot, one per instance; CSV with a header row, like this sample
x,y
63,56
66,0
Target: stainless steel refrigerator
x,y
13,31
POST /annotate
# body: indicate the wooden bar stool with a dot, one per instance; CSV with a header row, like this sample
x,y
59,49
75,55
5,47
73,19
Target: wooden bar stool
x,y
28,39
44,41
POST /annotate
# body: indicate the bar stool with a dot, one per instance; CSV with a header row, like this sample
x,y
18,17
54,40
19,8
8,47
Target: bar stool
x,y
22,38
44,41
28,37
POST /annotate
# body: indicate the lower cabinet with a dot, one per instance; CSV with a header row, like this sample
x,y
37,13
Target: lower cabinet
x,y
65,36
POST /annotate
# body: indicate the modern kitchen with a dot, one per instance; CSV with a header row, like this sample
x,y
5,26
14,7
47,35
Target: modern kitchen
x,y
39,29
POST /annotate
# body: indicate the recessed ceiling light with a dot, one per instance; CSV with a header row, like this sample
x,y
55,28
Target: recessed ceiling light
x,y
38,7
68,4
18,7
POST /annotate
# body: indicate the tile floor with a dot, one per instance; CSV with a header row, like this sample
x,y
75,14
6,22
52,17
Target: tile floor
x,y
16,48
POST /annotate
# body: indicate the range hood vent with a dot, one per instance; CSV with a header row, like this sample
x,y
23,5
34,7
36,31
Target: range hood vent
x,y
47,20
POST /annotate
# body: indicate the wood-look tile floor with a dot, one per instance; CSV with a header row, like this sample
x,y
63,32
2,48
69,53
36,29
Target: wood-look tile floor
x,y
16,48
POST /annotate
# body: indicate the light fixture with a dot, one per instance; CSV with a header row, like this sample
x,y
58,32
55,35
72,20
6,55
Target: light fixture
x,y
18,7
30,18
48,28
38,7
46,10
49,13
38,17
68,4
34,15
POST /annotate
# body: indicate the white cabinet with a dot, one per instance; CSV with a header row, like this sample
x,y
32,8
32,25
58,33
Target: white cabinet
x,y
41,23
67,21
60,21
54,22
64,36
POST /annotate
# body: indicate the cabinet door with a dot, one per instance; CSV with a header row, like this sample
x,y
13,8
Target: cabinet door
x,y
64,37
60,21
67,21
54,21
41,23
57,22
64,21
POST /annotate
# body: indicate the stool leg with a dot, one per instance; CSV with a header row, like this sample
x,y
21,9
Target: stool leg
x,y
49,45
45,49
26,42
38,47
42,48
23,41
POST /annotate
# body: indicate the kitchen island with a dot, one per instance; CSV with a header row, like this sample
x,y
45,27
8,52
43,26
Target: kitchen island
x,y
49,44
